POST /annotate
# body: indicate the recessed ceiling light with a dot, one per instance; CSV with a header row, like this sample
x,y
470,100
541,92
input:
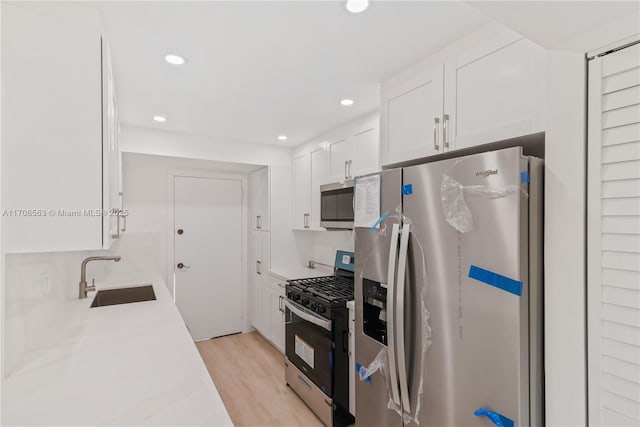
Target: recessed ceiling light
x,y
160,119
282,137
357,6
175,59
346,102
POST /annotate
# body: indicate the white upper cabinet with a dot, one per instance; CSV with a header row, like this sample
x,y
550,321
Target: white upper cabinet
x,y
61,161
495,91
340,153
260,218
301,196
344,153
310,171
486,87
355,152
366,149
318,176
411,116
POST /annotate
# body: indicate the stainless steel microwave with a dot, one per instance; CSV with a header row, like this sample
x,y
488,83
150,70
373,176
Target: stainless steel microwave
x,y
336,205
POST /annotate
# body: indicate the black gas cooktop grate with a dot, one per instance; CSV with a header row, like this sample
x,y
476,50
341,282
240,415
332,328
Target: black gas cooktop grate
x,y
328,287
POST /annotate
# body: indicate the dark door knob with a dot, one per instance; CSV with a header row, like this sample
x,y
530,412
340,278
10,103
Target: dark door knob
x,y
180,231
181,266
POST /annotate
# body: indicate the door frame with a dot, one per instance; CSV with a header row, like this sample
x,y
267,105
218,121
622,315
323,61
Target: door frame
x,y
244,227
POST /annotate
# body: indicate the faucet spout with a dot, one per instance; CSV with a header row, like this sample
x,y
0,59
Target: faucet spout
x,y
83,288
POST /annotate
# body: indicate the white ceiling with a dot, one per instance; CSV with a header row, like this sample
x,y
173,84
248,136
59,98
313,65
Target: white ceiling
x,y
550,23
260,69
256,70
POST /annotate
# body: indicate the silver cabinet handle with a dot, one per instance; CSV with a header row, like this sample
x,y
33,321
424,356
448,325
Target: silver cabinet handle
x,y
436,131
350,161
124,223
281,303
445,130
258,225
258,263
306,220
345,169
117,234
391,306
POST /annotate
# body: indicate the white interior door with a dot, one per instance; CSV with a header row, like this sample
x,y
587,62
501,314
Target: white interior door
x,y
207,254
614,239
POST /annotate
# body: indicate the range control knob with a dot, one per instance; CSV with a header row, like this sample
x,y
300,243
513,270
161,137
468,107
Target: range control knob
x,y
322,309
305,301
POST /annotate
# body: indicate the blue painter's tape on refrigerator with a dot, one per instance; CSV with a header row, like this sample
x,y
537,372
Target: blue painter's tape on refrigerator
x,y
377,223
407,189
495,279
362,370
498,419
524,177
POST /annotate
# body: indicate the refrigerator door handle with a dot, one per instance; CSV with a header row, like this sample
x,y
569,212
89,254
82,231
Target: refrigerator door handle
x,y
402,366
391,305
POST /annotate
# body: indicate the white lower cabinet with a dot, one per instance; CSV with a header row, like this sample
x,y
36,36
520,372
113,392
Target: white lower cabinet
x,y
277,312
260,254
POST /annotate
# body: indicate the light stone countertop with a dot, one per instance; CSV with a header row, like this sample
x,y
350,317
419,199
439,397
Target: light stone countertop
x,y
130,364
300,272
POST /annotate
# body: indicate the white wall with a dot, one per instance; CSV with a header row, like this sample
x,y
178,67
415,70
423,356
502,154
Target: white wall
x,y
565,232
146,196
278,159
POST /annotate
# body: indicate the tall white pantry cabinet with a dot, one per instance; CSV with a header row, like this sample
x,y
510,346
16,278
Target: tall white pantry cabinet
x,y
60,155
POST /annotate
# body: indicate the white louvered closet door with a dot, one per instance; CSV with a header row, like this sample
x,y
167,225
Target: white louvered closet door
x,y
614,239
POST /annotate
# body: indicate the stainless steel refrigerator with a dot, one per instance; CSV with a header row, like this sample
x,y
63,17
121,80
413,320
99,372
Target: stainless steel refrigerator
x,y
448,293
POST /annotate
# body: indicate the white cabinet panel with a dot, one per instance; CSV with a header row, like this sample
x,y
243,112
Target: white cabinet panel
x,y
365,152
318,175
340,152
277,315
495,92
260,218
301,196
60,153
411,117
261,250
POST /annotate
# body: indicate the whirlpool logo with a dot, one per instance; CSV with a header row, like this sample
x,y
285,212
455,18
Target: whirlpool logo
x,y
487,173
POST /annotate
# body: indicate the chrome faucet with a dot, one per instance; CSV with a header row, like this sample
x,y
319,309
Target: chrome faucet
x,y
83,274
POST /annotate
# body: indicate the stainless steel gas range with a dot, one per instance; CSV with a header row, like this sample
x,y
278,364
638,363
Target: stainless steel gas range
x,y
316,346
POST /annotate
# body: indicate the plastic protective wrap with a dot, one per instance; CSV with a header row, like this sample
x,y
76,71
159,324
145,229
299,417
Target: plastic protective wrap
x,y
454,206
378,364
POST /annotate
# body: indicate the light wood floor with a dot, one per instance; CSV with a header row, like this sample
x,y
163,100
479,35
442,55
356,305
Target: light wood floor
x,y
249,375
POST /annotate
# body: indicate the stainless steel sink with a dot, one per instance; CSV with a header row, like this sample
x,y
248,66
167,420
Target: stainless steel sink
x,y
123,296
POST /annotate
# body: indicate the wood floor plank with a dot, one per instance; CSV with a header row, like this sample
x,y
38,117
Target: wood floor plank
x,y
249,375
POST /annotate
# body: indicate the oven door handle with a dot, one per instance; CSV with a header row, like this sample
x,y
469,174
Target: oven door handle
x,y
309,317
